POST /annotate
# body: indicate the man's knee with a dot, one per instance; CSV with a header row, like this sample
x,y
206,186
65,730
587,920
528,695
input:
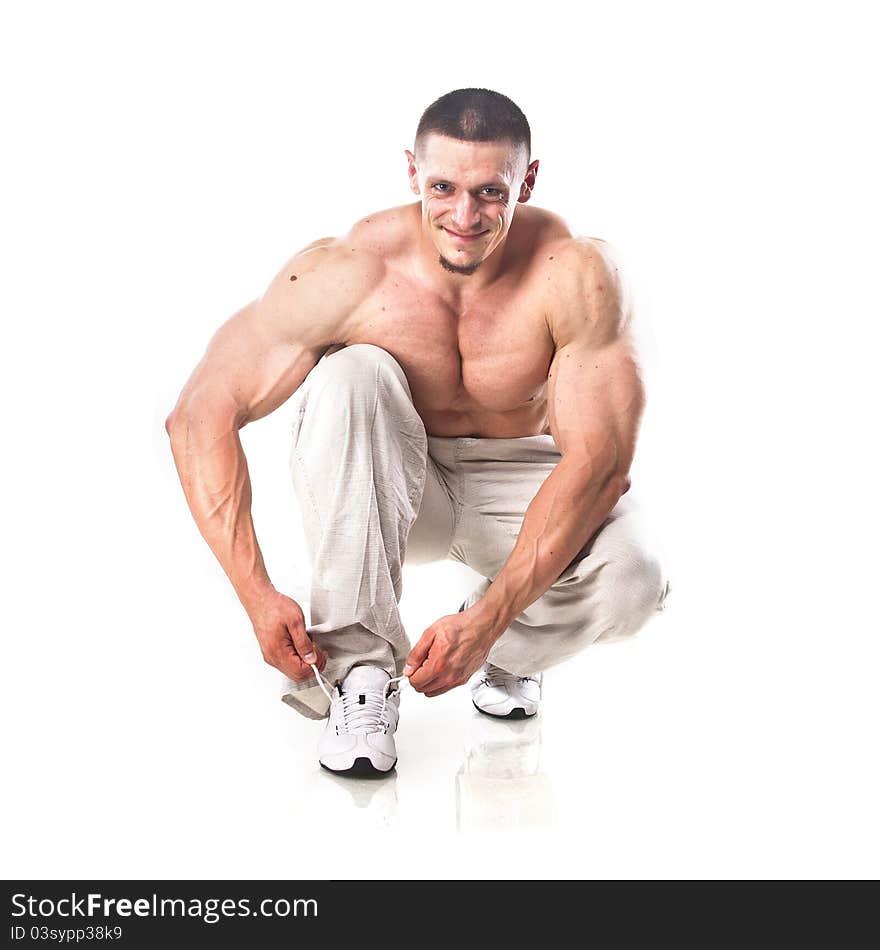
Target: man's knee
x,y
634,587
358,368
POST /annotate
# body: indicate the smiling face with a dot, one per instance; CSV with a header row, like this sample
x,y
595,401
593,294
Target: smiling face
x,y
469,193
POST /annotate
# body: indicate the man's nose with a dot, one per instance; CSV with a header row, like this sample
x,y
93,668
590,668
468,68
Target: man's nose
x,y
466,212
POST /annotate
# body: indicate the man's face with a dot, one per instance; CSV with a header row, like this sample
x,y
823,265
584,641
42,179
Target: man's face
x,y
469,193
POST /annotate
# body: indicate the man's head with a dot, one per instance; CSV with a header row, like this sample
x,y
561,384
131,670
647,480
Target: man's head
x,y
471,166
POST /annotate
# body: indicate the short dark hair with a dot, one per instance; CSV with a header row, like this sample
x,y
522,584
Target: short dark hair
x,y
476,115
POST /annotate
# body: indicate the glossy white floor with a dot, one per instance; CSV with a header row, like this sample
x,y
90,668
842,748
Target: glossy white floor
x,y
729,738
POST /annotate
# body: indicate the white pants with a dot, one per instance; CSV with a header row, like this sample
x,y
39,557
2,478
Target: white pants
x,y
376,491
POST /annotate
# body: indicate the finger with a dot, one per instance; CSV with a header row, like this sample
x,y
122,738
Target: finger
x,y
302,675
438,685
419,653
307,672
439,681
426,676
323,656
435,686
285,659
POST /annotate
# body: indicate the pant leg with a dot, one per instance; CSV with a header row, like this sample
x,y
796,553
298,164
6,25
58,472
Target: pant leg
x,y
609,591
431,535
358,465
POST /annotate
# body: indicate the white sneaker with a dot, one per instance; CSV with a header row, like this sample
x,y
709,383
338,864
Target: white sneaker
x,y
504,695
359,736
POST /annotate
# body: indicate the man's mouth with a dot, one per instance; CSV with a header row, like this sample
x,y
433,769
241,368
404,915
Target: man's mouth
x,y
464,237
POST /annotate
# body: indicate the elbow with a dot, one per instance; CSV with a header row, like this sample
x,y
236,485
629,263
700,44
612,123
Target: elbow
x,y
614,486
173,420
607,474
200,419
617,484
178,421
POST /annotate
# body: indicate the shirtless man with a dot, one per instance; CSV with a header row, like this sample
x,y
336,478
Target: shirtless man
x,y
466,386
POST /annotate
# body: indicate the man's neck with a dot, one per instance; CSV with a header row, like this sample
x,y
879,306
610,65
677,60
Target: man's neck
x,y
458,289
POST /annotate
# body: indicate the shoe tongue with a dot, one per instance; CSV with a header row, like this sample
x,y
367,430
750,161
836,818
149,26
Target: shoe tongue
x,y
365,679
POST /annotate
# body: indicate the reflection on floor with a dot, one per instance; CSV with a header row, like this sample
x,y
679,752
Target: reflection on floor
x,y
370,802
500,784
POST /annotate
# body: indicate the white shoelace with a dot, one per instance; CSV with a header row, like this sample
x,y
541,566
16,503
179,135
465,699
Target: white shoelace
x,y
360,716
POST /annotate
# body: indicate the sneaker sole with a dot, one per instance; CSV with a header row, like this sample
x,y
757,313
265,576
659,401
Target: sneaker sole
x,y
362,768
518,713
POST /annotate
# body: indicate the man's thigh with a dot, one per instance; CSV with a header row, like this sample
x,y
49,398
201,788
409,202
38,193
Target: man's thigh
x,y
430,537
498,478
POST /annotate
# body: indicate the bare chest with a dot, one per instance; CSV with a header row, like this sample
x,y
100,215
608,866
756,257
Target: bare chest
x,y
493,357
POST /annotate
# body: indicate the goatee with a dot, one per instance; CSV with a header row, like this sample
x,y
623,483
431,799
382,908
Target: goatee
x,y
465,270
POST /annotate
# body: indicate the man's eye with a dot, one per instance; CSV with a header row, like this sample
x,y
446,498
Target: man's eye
x,y
442,186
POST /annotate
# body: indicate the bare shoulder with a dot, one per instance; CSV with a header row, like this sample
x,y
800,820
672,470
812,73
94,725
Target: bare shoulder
x,y
386,233
333,258
590,296
320,285
586,260
533,230
548,226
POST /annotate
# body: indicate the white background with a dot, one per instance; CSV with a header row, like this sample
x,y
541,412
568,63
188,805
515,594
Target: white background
x,y
161,161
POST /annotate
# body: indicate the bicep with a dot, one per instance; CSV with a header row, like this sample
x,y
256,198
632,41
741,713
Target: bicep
x,y
248,370
596,401
261,355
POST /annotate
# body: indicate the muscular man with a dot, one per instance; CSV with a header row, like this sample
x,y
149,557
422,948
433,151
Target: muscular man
x,y
467,387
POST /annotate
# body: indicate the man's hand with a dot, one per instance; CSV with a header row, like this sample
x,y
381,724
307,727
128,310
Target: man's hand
x,y
449,652
281,630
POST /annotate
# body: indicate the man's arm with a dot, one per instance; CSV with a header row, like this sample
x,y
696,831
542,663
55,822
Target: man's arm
x,y
253,364
596,400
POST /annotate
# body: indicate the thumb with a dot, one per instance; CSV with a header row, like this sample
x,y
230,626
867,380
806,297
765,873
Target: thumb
x,y
304,646
419,653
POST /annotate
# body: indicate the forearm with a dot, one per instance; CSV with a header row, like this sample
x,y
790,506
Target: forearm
x,y
214,474
567,510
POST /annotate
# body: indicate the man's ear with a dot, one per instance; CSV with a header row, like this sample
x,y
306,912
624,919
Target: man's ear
x,y
412,172
525,191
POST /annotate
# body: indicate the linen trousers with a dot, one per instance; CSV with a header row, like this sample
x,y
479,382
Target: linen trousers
x,y
376,492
